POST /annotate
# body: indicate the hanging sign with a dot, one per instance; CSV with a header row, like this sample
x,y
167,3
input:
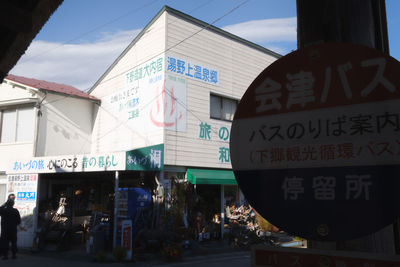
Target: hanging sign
x,y
315,142
149,158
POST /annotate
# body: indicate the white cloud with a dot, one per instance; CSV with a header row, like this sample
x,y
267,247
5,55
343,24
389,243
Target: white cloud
x,y
79,65
82,64
267,32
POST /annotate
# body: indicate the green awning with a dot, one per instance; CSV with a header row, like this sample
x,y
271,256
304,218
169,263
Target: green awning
x,y
204,176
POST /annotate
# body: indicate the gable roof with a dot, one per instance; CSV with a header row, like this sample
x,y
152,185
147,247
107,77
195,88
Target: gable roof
x,y
50,86
192,20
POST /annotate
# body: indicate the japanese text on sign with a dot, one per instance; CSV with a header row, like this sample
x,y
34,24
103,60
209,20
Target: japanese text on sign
x,y
324,187
147,158
71,163
222,133
192,70
363,135
146,70
300,86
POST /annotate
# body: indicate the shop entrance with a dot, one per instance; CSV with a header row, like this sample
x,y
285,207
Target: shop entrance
x,y
72,204
75,208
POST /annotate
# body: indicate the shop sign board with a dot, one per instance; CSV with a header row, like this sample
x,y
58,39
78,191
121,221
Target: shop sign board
x,y
315,142
210,131
69,163
192,69
263,256
24,186
148,103
149,158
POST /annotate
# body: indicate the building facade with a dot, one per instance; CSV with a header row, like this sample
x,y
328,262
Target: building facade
x,y
177,85
162,110
39,119
182,94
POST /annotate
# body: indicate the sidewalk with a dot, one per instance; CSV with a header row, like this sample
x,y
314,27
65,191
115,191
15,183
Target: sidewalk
x,y
78,257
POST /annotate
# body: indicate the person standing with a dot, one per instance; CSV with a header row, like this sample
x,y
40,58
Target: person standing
x,y
10,219
10,196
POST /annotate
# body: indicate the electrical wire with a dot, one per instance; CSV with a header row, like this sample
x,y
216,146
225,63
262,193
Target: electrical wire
x,y
171,23
101,26
186,108
175,45
166,90
90,31
125,122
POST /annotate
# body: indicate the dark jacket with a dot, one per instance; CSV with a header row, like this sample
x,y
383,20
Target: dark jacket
x,y
10,219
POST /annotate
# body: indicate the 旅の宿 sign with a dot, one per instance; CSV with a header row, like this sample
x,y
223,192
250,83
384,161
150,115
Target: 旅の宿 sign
x,y
315,142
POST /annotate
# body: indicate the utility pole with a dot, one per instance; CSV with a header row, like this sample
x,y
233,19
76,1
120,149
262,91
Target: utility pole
x,y
360,22
354,21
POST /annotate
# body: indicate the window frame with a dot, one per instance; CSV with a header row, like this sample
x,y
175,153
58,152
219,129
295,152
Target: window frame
x,y
221,99
15,108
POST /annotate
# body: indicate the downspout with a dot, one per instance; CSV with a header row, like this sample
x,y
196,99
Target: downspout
x,y
38,113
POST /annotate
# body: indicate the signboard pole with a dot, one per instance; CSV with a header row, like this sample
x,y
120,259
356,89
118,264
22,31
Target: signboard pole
x,y
36,210
222,211
116,195
348,21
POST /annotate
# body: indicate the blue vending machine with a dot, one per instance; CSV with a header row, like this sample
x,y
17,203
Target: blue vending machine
x,y
134,204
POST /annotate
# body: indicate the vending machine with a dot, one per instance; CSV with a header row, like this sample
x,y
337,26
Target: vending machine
x,y
132,204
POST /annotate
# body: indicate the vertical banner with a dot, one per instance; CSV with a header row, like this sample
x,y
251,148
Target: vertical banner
x,y
24,186
127,238
129,108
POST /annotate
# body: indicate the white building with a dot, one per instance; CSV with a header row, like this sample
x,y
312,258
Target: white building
x,y
40,118
177,84
167,101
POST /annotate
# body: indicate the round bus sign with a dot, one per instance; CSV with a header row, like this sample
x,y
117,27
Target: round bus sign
x,y
315,142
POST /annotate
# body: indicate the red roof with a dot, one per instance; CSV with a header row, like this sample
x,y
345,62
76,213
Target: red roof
x,y
50,86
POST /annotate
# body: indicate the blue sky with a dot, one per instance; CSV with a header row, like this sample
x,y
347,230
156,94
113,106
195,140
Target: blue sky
x,y
83,37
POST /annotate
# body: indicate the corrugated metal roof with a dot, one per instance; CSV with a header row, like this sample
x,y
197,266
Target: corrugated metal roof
x,y
50,86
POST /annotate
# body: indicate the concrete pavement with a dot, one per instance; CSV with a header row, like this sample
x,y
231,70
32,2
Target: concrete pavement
x,y
232,259
211,253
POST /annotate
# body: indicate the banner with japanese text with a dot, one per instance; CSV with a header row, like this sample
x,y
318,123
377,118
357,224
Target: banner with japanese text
x,y
69,163
134,114
24,187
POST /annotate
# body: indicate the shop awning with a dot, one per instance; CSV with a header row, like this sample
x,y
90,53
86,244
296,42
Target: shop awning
x,y
204,176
